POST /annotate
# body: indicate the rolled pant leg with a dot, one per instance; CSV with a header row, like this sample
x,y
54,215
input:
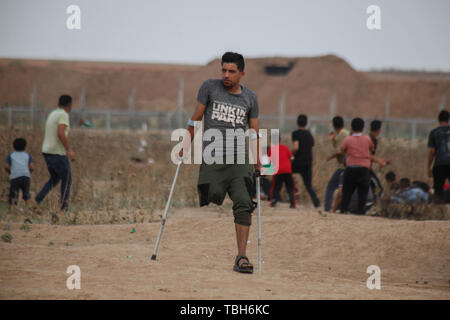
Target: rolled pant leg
x,y
243,205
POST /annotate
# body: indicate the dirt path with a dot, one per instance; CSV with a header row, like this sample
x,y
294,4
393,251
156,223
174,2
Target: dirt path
x,y
306,255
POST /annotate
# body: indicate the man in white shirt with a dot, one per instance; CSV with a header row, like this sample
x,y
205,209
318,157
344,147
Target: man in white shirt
x,y
57,152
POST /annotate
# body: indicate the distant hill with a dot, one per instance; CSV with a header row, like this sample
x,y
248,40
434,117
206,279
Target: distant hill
x,y
309,84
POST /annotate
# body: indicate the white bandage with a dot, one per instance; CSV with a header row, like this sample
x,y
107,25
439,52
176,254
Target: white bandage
x,y
191,123
255,136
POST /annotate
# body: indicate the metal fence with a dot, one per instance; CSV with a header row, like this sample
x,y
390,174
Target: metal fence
x,y
29,117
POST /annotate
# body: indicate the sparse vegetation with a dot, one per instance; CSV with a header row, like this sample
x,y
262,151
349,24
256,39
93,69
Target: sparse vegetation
x,y
110,187
7,237
25,227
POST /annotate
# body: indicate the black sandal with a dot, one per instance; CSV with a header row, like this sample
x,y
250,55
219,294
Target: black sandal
x,y
243,267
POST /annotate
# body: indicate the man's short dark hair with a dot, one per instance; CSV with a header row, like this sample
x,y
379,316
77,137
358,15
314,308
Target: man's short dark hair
x,y
357,125
390,176
65,100
444,116
302,120
20,144
233,57
375,125
338,122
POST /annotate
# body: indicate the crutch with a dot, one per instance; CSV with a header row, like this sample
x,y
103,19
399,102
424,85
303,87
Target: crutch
x,y
258,199
167,208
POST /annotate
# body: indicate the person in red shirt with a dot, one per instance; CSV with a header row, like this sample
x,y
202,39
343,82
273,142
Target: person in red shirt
x,y
357,148
281,158
446,186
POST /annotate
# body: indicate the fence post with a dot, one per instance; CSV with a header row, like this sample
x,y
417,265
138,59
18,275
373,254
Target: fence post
x,y
9,117
131,108
108,121
180,102
33,105
333,106
442,104
169,124
82,105
387,114
413,129
281,108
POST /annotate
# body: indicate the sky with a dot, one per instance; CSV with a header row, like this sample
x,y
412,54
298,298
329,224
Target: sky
x,y
413,34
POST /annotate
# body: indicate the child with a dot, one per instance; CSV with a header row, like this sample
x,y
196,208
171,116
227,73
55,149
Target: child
x,y
281,158
19,166
357,149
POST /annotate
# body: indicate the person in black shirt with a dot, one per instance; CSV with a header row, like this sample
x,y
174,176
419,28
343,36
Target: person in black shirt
x,y
303,156
439,151
375,130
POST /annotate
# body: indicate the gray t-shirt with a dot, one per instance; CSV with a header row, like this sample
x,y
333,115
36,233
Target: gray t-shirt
x,y
228,113
19,163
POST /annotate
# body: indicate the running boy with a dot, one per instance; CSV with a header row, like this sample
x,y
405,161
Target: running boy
x,y
19,165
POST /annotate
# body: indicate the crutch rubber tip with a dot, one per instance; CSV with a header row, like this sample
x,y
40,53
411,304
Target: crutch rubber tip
x,y
154,257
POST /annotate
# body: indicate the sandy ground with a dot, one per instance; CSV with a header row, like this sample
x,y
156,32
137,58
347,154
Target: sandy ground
x,y
306,255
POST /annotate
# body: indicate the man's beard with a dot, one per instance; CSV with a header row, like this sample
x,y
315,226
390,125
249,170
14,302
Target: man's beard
x,y
228,84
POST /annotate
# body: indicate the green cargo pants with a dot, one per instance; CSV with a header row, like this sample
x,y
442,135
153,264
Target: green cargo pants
x,y
216,180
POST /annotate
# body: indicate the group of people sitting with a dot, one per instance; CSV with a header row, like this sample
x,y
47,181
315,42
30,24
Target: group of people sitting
x,y
405,192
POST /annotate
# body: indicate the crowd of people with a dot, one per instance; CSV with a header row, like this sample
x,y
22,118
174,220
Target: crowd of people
x,y
354,187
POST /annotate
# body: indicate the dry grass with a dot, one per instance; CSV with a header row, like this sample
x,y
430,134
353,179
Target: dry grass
x,y
110,187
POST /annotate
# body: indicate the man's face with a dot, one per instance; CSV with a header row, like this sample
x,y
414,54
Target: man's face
x,y
231,75
376,133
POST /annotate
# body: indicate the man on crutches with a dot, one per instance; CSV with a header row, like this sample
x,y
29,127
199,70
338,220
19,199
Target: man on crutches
x,y
228,107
